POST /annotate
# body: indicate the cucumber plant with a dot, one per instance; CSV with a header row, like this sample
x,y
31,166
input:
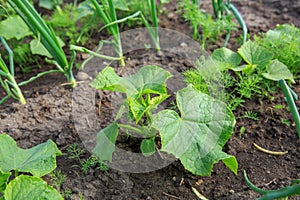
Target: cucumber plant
x,y
37,161
195,134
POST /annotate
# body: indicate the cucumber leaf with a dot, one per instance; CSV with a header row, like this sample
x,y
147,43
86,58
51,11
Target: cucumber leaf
x,y
105,142
14,27
197,135
148,80
29,187
226,56
148,146
3,181
276,71
121,5
255,55
38,160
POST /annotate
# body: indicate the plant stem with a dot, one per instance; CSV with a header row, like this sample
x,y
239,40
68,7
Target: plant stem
x,y
290,100
85,50
38,76
126,126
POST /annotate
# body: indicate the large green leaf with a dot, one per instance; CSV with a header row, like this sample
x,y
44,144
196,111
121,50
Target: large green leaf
x,y
255,55
28,187
108,79
38,160
276,71
105,142
227,57
14,27
149,79
197,135
3,181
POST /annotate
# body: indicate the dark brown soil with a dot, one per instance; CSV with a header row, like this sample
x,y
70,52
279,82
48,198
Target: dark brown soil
x,y
48,115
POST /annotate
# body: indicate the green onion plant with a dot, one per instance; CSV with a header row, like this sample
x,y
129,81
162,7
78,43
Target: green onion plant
x,y
47,37
291,97
221,7
7,79
107,12
283,193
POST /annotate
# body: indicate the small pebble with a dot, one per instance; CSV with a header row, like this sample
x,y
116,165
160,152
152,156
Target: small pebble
x,y
82,76
171,15
183,44
159,53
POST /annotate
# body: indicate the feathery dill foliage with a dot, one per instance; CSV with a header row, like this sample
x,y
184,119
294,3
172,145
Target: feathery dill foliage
x,y
283,42
211,29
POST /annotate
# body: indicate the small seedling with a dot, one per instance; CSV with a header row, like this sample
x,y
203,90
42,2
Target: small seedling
x,y
279,106
285,121
76,152
242,130
251,115
57,179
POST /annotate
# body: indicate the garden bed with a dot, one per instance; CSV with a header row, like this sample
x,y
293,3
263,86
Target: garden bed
x,y
48,115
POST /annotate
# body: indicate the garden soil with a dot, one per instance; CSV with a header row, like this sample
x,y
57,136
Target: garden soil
x,y
48,115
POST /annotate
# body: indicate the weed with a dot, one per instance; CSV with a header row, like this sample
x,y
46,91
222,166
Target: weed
x,y
76,152
211,29
242,130
67,193
57,179
251,115
279,106
285,121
